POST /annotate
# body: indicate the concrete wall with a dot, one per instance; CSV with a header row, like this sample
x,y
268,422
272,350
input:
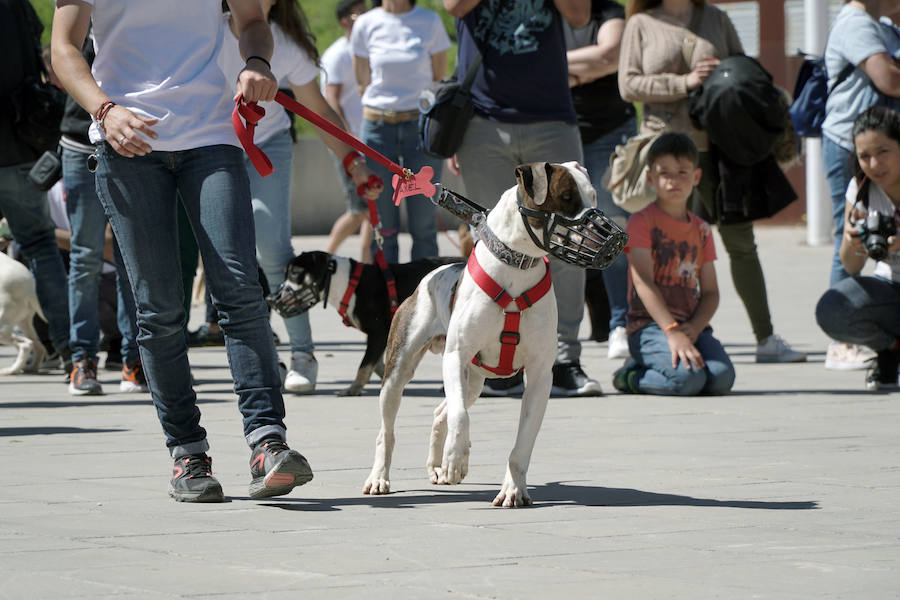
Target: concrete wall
x,y
317,197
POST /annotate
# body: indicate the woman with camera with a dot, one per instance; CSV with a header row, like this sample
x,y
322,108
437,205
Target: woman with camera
x,y
866,310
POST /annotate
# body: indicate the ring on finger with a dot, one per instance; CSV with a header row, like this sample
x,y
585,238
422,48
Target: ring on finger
x,y
122,140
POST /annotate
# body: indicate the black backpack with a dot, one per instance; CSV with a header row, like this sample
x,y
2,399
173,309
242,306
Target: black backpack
x,y
740,109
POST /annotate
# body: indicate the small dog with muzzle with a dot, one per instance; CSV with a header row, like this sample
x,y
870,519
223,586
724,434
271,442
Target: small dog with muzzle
x,y
359,292
18,305
494,316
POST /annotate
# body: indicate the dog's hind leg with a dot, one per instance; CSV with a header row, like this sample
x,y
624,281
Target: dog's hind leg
x,y
22,344
37,348
439,431
407,343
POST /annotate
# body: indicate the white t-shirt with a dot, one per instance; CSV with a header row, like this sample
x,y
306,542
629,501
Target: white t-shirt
x,y
160,59
337,69
290,63
399,49
889,268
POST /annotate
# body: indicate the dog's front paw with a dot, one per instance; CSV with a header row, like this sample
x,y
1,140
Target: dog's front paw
x,y
353,390
434,473
512,496
456,469
377,486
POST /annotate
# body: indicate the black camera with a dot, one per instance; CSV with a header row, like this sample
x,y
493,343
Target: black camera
x,y
874,230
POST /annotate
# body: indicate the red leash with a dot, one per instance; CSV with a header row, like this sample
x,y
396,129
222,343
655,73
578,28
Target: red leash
x,y
404,181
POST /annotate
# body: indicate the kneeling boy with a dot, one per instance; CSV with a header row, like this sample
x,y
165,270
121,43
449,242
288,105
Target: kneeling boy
x,y
673,291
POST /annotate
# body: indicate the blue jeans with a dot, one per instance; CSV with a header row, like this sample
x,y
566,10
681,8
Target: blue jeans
x,y
596,161
28,214
88,226
399,142
271,200
861,310
139,196
650,349
838,172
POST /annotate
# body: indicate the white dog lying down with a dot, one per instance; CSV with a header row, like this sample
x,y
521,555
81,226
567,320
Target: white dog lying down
x,y
18,305
459,310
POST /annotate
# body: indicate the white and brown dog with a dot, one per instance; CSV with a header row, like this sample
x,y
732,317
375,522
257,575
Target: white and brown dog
x,y
494,317
18,305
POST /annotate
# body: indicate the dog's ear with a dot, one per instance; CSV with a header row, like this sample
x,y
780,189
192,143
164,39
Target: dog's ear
x,y
533,181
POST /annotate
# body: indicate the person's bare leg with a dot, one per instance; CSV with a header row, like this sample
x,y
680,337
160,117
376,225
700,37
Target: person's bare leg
x,y
365,241
344,226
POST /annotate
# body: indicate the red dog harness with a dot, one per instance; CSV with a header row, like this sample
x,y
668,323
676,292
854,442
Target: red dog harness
x,y
509,337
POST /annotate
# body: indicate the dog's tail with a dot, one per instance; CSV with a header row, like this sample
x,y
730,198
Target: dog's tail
x,y
33,300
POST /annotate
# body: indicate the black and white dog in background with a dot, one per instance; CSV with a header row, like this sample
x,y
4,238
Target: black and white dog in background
x,y
314,277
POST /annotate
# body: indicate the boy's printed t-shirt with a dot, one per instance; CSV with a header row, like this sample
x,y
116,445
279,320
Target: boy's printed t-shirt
x,y
679,249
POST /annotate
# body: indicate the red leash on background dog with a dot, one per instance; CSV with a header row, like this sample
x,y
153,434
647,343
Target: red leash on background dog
x,y
404,182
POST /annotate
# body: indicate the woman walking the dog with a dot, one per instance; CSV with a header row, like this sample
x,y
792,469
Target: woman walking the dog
x,y
294,60
161,108
669,48
398,49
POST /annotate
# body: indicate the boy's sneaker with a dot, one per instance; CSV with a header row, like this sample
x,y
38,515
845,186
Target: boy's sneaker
x,y
773,349
133,379
883,375
276,469
193,481
847,357
569,379
513,386
83,379
618,344
302,376
625,379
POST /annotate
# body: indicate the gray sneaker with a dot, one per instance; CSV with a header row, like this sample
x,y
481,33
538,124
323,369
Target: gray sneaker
x,y
302,376
773,349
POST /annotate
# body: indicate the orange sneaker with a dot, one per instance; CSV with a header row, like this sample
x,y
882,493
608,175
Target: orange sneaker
x,y
133,379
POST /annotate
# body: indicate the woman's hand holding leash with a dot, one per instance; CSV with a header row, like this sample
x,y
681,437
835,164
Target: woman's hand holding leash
x,y
255,82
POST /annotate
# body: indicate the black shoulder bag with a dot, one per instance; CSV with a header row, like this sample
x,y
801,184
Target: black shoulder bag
x,y
37,104
446,108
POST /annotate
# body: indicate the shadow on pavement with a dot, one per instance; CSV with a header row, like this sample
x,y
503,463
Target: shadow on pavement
x,y
550,494
21,431
143,401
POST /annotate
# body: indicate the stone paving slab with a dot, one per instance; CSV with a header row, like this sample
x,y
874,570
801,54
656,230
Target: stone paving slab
x,y
788,488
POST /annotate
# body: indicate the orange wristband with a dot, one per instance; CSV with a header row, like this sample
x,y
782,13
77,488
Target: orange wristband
x,y
670,327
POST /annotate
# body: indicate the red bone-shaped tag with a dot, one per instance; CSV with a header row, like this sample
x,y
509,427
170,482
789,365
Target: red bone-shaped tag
x,y
420,183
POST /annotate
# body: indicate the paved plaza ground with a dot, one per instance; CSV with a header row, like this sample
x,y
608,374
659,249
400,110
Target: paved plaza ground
x,y
787,488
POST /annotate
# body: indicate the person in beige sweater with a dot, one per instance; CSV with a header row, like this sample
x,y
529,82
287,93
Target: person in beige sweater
x,y
670,47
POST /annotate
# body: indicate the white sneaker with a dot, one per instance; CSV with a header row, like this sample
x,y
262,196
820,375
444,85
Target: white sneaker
x,y
302,376
848,357
618,344
775,350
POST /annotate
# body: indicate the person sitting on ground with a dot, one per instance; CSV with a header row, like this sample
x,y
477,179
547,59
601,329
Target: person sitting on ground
x,y
862,309
673,285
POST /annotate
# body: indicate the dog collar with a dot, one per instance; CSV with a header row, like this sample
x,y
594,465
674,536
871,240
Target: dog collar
x,y
504,253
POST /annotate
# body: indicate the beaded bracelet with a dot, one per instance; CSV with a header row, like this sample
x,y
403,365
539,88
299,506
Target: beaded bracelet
x,y
101,113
